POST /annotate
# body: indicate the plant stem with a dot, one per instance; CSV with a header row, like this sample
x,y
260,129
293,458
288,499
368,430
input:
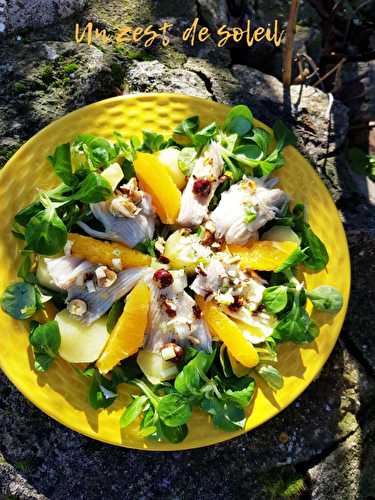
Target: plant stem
x,y
289,41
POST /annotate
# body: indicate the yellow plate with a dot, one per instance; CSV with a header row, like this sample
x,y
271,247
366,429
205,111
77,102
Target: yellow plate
x,y
61,393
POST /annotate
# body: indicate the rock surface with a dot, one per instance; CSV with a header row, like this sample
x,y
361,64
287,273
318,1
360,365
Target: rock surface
x,y
348,472
15,14
325,413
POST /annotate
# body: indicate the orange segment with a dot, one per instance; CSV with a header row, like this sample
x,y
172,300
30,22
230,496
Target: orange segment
x,y
104,252
264,255
155,179
128,334
229,333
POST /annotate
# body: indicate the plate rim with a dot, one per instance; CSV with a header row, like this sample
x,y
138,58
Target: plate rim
x,y
162,447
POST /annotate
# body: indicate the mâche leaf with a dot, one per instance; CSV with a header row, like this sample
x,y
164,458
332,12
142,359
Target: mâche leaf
x,y
93,189
46,341
188,127
284,136
46,233
326,298
239,120
275,298
271,376
133,411
61,163
19,300
174,410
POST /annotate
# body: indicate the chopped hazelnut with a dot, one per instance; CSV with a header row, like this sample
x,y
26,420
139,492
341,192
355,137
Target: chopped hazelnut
x,y
77,307
169,307
105,277
172,351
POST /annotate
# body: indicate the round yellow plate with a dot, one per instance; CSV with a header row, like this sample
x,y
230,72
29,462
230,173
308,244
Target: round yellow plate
x,y
61,393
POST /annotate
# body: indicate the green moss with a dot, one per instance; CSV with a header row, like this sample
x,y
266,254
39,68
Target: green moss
x,y
70,67
47,73
134,54
283,484
19,87
6,152
26,465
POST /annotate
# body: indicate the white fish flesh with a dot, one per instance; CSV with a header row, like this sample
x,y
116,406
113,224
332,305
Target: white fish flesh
x,y
67,271
101,300
246,207
194,207
183,328
128,230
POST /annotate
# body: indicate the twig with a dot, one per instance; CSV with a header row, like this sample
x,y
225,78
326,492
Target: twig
x,y
329,73
288,50
313,65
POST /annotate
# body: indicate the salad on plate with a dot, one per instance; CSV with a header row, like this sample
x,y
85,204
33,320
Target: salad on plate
x,y
173,265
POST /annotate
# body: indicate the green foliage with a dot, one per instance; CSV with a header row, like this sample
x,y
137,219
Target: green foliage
x,y
283,483
239,120
70,67
46,73
362,163
271,376
20,87
114,314
45,232
20,300
46,341
275,298
326,298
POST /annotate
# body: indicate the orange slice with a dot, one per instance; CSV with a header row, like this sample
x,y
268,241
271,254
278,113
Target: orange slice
x,y
106,253
229,333
264,255
128,334
155,179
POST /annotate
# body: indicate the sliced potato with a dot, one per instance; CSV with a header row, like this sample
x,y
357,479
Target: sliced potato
x,y
281,233
155,368
81,343
169,158
113,174
183,251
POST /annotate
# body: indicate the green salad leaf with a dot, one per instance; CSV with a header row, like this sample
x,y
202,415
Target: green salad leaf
x,y
20,300
326,298
93,189
239,120
46,341
46,233
271,375
133,411
62,165
275,298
